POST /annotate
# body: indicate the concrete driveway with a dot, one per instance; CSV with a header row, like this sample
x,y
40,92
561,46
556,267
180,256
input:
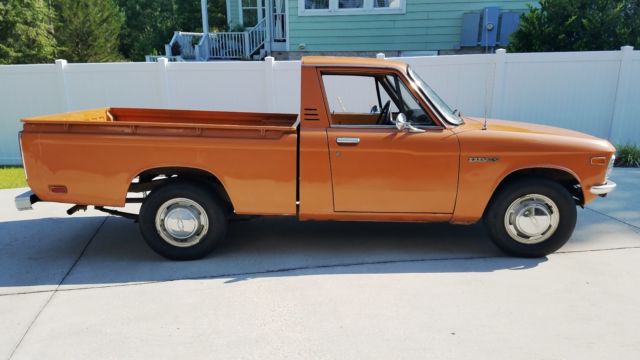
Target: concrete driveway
x,y
87,286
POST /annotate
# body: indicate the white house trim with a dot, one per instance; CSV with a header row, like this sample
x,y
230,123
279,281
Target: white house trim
x,y
367,9
286,11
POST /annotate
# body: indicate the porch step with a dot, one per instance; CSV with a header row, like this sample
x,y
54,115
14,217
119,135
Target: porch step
x,y
261,55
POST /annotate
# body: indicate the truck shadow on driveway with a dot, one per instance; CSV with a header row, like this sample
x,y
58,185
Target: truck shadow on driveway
x,y
104,251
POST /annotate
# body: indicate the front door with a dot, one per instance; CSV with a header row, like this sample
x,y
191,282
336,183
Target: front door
x,y
375,167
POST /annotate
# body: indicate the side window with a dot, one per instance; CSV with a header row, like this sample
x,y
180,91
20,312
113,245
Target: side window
x,y
360,99
350,94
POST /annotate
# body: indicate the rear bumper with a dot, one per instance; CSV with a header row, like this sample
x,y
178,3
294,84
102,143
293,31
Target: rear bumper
x,y
603,189
25,200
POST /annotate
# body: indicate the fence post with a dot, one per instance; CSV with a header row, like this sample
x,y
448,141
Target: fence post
x,y
62,85
497,93
621,97
163,81
269,85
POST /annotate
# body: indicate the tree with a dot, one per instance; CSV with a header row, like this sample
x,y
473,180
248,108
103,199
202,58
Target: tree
x,y
190,15
26,34
88,30
578,25
149,24
631,16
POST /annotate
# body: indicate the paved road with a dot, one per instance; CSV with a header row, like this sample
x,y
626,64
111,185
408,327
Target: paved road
x,y
88,287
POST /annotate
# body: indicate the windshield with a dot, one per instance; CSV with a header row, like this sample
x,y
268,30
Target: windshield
x,y
442,107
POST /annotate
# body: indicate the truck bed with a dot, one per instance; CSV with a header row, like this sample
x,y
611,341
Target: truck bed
x,y
165,117
97,153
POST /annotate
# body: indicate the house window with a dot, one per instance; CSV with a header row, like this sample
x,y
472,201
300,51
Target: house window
x,y
316,4
388,4
350,4
350,7
249,13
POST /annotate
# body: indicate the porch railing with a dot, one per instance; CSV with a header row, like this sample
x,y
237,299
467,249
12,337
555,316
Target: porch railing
x,y
232,45
183,44
154,58
256,37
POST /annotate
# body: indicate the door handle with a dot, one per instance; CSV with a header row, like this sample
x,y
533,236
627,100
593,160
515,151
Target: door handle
x,y
348,140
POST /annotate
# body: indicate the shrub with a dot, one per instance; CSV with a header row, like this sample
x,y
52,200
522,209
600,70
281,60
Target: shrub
x,y
628,155
578,25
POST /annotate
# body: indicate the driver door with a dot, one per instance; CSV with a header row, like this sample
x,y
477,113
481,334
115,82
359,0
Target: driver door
x,y
376,168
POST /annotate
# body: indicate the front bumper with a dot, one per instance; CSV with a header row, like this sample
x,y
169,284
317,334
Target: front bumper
x,y
603,189
25,200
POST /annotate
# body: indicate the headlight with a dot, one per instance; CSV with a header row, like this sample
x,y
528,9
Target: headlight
x,y
610,167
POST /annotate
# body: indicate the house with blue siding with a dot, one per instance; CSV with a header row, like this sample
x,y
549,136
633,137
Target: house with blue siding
x,y
289,29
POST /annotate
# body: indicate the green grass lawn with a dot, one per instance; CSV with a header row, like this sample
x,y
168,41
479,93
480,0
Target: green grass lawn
x,y
12,177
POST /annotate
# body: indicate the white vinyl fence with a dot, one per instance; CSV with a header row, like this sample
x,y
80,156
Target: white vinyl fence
x,y
594,92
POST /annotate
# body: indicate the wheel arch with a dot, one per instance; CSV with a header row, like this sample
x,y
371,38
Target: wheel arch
x,y
565,177
152,178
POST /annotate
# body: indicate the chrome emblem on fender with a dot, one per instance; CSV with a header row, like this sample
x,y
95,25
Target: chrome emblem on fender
x,y
482,159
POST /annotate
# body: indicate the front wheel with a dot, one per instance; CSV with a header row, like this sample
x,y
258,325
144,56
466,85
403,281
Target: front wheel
x,y
182,221
531,218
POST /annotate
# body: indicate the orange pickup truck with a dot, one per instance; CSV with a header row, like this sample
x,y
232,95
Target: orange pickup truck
x,y
372,142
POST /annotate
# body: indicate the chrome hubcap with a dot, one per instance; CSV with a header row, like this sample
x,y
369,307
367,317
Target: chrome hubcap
x,y
531,219
182,222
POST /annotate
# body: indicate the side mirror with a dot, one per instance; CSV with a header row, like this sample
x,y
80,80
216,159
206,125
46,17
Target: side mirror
x,y
401,122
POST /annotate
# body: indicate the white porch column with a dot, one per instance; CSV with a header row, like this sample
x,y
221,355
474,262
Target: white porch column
x,y
269,26
205,29
205,17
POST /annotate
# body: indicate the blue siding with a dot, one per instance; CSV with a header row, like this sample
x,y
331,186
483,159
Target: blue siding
x,y
426,25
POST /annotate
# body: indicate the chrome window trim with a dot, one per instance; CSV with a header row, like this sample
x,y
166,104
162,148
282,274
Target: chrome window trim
x,y
428,101
404,74
427,127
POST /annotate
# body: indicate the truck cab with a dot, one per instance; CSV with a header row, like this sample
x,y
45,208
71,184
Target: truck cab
x,y
370,170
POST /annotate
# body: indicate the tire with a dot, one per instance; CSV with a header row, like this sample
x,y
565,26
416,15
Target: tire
x,y
533,205
182,221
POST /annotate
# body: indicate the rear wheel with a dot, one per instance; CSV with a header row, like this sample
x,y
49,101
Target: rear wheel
x,y
182,221
531,218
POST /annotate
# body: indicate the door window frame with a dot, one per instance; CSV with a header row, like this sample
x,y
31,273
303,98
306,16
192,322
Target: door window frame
x,y
372,72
